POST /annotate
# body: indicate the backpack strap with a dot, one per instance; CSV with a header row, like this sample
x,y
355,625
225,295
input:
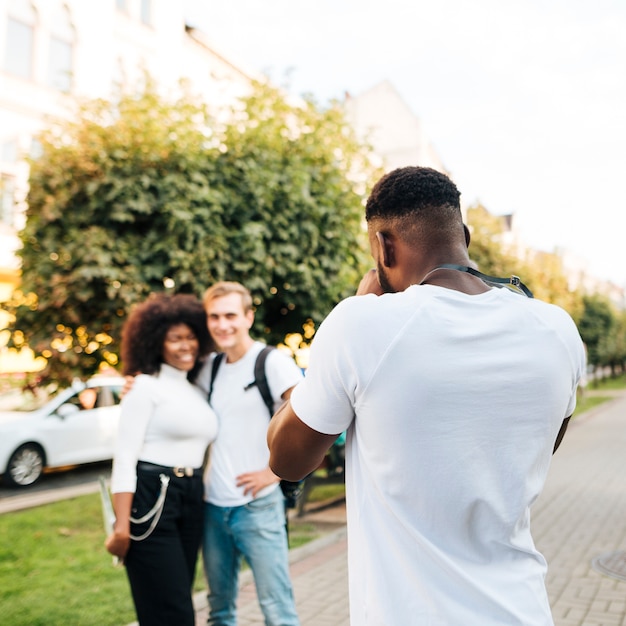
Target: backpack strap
x,y
260,379
219,357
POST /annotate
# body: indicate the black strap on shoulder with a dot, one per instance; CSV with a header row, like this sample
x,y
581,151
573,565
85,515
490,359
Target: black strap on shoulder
x,y
219,357
260,379
514,282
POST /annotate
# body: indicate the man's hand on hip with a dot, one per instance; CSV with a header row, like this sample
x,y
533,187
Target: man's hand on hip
x,y
253,482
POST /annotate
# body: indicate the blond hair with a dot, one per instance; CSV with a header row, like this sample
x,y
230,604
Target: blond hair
x,y
225,288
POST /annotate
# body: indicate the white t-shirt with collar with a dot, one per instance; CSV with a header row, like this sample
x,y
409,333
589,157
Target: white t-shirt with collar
x,y
458,401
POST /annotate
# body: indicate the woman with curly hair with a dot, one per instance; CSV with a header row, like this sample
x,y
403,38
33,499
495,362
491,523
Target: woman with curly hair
x,y
165,428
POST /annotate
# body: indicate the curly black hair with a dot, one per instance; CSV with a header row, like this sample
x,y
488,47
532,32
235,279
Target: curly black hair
x,y
143,334
411,190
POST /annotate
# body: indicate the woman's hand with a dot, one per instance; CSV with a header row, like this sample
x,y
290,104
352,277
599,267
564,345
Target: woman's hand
x,y
118,543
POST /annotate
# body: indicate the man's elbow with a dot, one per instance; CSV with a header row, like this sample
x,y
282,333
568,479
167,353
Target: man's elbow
x,y
286,470
296,449
293,460
288,461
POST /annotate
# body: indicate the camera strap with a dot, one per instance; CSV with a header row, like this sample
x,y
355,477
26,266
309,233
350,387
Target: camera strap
x,y
513,283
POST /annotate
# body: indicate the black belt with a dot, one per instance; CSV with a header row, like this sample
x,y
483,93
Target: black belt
x,y
179,471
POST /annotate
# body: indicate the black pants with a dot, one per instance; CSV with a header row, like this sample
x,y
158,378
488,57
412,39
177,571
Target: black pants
x,y
161,568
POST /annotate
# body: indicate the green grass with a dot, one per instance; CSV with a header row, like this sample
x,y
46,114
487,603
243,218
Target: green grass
x,y
54,570
593,394
610,384
320,493
587,403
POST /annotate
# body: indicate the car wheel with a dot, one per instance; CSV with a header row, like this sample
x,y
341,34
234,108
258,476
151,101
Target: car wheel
x,y
25,466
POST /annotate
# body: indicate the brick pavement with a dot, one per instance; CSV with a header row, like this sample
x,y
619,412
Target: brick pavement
x,y
580,515
319,572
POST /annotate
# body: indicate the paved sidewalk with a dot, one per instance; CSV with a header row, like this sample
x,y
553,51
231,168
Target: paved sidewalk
x,y
319,572
580,516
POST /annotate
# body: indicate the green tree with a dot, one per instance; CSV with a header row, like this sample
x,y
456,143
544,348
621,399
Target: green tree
x,y
542,272
291,177
486,248
596,326
146,194
546,276
612,345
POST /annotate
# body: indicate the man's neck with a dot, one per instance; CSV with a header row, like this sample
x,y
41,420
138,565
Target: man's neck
x,y
451,278
239,351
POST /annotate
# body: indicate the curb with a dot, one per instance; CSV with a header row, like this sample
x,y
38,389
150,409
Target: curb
x,y
27,501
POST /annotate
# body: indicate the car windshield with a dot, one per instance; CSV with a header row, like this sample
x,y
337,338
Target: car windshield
x,y
21,399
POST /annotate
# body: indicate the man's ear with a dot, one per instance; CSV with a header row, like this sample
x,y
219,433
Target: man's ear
x,y
387,252
467,235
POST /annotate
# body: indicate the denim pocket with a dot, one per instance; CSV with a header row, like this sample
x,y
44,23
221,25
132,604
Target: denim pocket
x,y
267,502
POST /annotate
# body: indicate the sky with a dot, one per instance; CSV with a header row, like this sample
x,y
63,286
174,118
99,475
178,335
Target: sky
x,y
523,100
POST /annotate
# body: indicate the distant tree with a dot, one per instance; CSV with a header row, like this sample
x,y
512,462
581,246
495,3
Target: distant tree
x,y
612,345
543,273
146,194
547,278
596,325
486,247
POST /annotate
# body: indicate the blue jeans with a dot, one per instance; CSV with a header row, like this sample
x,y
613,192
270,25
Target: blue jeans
x,y
255,531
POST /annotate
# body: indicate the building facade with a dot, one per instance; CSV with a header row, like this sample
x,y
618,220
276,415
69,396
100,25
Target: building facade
x,y
53,52
383,119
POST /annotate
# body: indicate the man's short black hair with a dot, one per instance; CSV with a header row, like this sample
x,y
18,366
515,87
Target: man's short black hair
x,y
407,191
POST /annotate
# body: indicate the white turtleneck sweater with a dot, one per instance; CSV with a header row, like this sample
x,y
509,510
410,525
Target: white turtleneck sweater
x,y
164,420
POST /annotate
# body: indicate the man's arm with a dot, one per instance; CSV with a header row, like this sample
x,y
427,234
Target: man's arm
x,y
561,434
295,449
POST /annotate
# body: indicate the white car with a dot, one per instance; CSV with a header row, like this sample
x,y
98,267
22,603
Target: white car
x,y
78,425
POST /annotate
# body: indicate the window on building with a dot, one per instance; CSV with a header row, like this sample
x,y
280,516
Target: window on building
x,y
36,149
7,199
8,151
146,12
18,54
61,50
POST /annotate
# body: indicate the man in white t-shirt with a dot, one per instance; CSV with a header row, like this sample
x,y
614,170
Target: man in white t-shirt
x,y
455,395
245,510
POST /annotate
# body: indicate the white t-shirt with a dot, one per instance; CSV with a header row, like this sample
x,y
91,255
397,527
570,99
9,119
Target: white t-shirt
x,y
452,404
241,444
165,420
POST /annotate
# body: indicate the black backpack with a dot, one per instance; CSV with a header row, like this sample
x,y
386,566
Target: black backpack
x,y
291,490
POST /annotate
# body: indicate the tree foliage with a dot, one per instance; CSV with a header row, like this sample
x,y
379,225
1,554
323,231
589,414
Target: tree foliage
x,y
596,323
486,248
145,194
288,175
543,273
